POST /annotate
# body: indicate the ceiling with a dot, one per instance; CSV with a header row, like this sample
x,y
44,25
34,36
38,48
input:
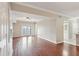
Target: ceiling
x,y
67,8
15,15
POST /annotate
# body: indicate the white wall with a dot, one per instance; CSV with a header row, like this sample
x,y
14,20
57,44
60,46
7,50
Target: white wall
x,y
47,30
59,29
52,29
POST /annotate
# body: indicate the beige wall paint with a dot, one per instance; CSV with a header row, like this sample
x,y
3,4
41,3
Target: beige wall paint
x,y
17,28
59,29
47,30
51,30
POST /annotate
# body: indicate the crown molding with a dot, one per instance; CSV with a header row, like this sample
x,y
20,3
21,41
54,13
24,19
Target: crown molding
x,y
42,9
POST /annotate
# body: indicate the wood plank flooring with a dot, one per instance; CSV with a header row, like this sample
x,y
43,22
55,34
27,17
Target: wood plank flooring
x,y
34,46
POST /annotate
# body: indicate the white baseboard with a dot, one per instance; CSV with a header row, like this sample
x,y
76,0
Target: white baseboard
x,y
47,40
50,40
70,43
53,41
59,42
77,44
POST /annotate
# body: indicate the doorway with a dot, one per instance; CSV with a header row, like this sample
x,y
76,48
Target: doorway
x,y
66,31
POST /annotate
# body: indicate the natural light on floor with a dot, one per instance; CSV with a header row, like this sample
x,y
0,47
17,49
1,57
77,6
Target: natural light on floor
x,y
27,41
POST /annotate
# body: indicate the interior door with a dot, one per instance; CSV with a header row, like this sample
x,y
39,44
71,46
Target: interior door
x,y
66,31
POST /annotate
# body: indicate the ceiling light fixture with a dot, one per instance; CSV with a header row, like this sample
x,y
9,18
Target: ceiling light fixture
x,y
28,18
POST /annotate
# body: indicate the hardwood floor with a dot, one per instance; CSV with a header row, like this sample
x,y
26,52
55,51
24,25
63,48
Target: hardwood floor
x,y
33,46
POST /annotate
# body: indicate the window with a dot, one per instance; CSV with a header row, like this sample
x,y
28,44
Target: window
x,y
26,30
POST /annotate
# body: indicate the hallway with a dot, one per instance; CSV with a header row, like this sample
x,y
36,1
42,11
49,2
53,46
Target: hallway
x,y
34,46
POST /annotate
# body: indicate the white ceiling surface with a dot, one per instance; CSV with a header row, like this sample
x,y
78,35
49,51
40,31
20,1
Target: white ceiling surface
x,y
15,15
67,8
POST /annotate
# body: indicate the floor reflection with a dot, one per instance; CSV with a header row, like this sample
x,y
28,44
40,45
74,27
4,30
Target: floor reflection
x,y
69,50
65,50
33,46
27,41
